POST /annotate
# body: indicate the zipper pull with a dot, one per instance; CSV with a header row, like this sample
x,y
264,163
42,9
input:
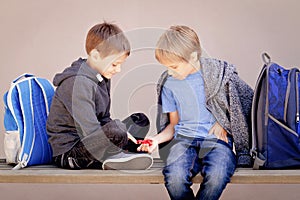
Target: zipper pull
x,y
21,164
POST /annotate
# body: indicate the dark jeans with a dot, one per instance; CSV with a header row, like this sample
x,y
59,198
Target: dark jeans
x,y
213,158
91,151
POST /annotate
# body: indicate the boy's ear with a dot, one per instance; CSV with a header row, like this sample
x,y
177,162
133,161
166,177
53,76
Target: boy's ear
x,y
194,56
94,54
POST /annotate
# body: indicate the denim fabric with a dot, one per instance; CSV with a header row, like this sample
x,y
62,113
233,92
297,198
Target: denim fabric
x,y
92,150
213,158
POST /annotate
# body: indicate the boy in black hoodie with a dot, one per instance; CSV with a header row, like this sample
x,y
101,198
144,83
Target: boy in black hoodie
x,y
81,132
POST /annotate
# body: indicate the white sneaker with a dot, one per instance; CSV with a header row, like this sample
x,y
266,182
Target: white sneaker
x,y
124,161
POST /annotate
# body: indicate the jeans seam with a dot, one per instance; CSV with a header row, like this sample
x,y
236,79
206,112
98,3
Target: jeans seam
x,y
192,166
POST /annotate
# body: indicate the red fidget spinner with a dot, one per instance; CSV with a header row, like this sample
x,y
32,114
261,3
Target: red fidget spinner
x,y
147,141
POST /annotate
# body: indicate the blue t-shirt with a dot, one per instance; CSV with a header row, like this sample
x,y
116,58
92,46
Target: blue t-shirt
x,y
188,98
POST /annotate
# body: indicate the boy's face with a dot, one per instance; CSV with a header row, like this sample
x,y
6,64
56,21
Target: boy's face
x,y
110,65
179,70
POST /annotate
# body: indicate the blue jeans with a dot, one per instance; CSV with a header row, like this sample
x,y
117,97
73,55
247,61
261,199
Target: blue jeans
x,y
213,158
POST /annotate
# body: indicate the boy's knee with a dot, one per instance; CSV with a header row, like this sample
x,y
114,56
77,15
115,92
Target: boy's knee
x,y
177,176
137,124
217,178
116,132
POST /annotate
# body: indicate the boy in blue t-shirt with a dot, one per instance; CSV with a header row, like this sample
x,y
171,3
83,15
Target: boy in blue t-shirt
x,y
199,143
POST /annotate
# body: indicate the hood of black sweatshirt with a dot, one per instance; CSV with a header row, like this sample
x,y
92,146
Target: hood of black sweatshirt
x,y
78,68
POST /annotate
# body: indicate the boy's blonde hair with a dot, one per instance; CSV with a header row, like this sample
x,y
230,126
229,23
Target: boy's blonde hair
x,y
177,44
107,39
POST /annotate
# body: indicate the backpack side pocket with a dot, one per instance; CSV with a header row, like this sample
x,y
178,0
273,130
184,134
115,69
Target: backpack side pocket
x,y
12,146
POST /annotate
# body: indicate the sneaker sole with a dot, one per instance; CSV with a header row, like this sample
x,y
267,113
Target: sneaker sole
x,y
138,162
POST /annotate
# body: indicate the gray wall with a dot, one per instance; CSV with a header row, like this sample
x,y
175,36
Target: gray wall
x,y
43,37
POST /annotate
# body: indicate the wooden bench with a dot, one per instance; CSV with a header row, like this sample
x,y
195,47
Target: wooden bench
x,y
52,174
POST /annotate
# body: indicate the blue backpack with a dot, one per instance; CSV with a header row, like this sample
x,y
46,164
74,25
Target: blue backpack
x,y
27,105
275,117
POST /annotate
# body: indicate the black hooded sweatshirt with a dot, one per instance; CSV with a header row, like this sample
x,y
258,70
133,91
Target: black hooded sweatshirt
x,y
79,107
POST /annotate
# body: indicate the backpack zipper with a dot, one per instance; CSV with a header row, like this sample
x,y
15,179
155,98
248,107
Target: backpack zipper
x,y
287,95
297,99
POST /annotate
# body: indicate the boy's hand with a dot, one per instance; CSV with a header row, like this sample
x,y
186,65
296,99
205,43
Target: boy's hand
x,y
219,132
147,141
147,145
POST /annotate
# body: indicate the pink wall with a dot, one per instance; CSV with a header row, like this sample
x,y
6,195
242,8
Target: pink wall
x,y
43,37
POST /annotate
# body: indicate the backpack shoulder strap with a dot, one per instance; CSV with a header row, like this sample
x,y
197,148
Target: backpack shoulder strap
x,y
291,106
25,99
259,94
12,98
47,89
19,103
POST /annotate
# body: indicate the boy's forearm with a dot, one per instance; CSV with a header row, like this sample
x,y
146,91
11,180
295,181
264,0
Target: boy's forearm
x,y
166,135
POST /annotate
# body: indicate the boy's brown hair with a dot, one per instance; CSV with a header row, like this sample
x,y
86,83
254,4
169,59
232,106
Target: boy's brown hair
x,y
177,44
107,39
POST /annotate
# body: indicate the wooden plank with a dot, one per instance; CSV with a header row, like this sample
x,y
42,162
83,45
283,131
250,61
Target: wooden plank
x,y
242,176
82,176
250,176
52,174
158,163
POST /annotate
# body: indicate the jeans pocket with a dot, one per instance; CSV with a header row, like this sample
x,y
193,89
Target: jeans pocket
x,y
229,144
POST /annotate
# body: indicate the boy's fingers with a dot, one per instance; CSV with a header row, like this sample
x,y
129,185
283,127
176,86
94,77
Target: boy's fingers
x,y
143,147
139,148
225,136
224,139
146,147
